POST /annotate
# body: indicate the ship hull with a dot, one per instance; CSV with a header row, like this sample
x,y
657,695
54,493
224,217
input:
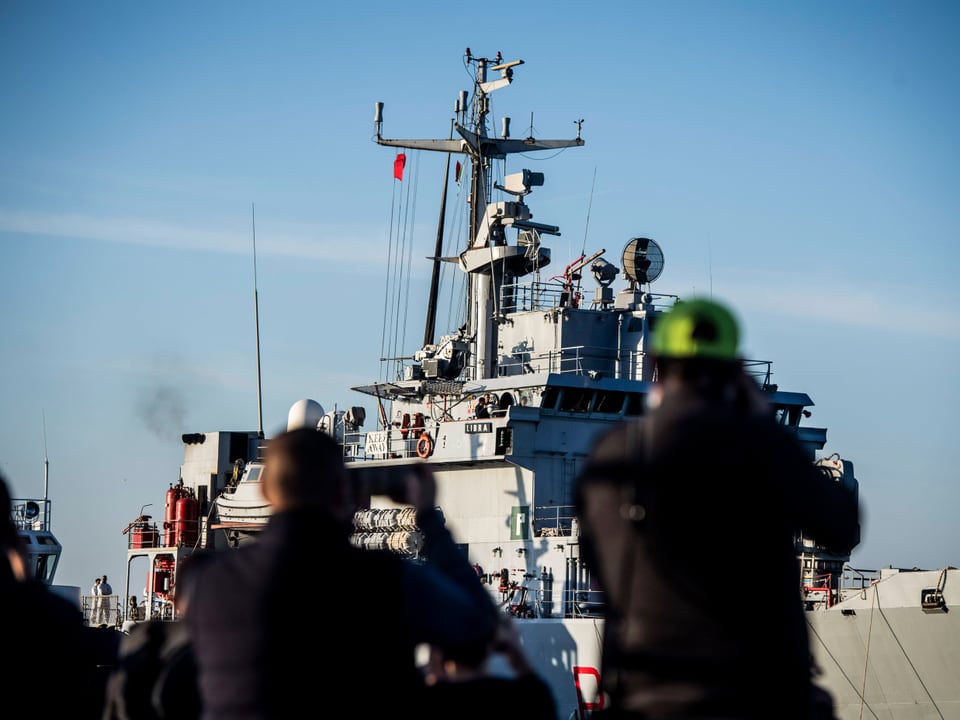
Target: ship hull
x,y
894,660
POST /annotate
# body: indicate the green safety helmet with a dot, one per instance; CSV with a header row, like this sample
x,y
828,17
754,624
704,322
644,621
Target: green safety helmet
x,y
697,328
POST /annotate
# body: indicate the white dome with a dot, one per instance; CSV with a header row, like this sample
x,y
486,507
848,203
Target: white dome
x,y
304,413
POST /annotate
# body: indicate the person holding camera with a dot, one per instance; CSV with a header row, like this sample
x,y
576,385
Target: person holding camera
x,y
460,679
685,514
259,657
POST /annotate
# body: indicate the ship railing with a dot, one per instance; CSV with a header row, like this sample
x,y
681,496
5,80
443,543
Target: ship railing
x,y
568,359
819,590
537,294
389,443
532,295
761,371
856,581
30,514
585,603
528,601
576,359
101,610
142,534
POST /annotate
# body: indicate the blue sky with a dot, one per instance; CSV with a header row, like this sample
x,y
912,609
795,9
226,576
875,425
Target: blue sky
x,y
799,160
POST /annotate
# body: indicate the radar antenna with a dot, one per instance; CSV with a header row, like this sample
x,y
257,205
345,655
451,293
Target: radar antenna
x,y
642,262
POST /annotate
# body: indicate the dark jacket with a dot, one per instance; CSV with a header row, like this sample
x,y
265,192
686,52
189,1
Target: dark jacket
x,y
302,620
155,677
688,523
56,667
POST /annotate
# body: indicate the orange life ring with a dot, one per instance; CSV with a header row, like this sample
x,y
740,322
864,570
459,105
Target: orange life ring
x,y
424,445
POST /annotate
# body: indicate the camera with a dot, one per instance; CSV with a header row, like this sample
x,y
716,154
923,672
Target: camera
x,y
389,480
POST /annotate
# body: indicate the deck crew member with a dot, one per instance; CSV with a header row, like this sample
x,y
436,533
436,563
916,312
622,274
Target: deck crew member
x,y
95,593
106,593
482,410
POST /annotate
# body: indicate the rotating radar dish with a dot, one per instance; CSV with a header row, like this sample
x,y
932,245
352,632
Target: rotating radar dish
x,y
642,260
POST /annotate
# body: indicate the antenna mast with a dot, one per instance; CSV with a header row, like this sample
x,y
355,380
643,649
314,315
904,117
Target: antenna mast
x,y
256,315
428,332
46,461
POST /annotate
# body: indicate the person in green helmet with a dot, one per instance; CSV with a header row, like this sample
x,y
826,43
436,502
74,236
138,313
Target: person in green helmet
x,y
688,518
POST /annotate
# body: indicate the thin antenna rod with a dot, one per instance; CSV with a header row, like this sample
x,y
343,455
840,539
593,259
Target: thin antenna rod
x,y
46,462
256,314
586,226
710,261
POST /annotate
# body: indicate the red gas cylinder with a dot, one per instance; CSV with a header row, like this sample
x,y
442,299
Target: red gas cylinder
x,y
188,521
169,516
144,535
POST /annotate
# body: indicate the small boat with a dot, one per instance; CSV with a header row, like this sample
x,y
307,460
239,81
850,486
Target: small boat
x,y
241,506
561,363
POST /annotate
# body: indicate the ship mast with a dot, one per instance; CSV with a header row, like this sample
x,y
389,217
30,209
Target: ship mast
x,y
431,325
488,260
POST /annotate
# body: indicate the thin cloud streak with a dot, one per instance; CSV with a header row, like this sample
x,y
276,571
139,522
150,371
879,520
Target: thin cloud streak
x,y
847,301
839,303
836,302
300,241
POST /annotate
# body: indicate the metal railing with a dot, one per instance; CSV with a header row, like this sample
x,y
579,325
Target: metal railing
x,y
101,610
30,514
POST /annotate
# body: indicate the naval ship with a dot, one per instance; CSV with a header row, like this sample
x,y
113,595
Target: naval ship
x,y
558,354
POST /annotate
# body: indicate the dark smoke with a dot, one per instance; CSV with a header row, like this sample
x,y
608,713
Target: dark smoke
x,y
162,409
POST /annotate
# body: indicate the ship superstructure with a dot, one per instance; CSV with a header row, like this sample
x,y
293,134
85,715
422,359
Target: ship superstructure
x,y
561,364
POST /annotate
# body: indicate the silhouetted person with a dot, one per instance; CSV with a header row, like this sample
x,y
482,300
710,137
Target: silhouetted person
x,y
462,683
54,664
261,655
688,522
155,677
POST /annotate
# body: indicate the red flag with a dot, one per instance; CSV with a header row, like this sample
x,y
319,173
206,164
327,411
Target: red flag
x,y
398,164
459,168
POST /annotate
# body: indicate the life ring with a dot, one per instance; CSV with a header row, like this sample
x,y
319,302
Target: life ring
x,y
424,445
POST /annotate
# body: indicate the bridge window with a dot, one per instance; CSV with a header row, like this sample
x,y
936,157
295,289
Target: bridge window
x,y
609,401
787,414
576,400
636,404
549,400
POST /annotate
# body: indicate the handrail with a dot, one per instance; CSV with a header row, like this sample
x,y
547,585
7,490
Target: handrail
x,y
30,513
